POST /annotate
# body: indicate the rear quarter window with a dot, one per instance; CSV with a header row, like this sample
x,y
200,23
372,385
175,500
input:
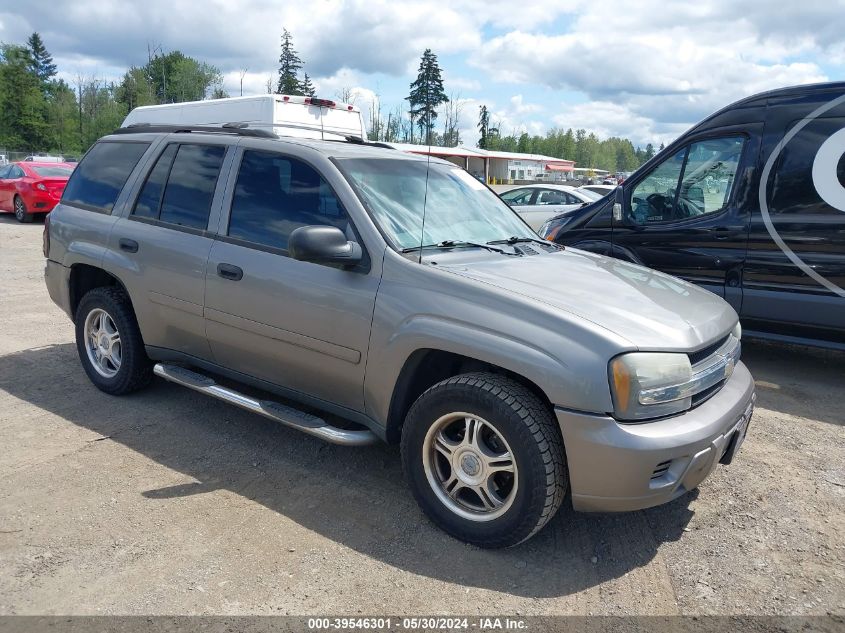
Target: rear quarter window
x,y
98,180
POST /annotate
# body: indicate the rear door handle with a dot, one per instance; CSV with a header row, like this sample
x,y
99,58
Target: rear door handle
x,y
130,246
230,271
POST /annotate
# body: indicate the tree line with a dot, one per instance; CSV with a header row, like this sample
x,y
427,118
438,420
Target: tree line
x,y
41,112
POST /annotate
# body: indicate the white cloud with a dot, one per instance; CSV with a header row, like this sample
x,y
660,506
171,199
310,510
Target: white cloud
x,y
666,64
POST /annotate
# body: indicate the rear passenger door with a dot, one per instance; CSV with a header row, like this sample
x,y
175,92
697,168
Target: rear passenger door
x,y
299,325
160,247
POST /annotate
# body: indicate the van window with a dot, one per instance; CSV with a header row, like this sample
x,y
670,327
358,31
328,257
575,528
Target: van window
x,y
98,180
695,181
190,172
276,194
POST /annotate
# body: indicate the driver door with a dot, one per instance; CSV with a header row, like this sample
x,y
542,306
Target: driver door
x,y
688,216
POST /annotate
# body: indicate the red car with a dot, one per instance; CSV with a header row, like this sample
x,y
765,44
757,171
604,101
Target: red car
x,y
28,188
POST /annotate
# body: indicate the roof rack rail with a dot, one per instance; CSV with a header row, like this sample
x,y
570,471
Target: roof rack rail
x,y
359,141
239,129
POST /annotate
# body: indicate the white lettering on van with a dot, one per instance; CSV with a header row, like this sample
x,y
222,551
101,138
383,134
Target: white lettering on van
x,y
825,179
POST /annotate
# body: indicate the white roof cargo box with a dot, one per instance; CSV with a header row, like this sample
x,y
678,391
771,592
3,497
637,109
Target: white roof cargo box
x,y
307,117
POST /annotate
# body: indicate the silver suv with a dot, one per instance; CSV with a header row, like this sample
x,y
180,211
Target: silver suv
x,y
401,299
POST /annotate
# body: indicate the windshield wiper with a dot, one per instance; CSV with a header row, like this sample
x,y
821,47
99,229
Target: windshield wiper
x,y
518,240
458,243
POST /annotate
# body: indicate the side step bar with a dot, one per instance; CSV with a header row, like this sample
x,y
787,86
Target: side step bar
x,y
288,416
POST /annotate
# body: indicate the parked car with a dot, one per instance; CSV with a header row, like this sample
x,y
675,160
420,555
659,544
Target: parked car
x,y
27,188
398,293
750,204
537,203
601,190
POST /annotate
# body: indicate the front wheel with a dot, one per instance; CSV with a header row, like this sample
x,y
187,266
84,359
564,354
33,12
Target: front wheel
x,y
21,214
484,459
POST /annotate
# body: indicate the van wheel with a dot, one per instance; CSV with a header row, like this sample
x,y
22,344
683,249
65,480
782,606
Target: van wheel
x,y
484,459
109,342
21,214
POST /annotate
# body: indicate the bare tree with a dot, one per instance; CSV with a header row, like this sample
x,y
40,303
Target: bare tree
x,y
452,111
346,94
269,85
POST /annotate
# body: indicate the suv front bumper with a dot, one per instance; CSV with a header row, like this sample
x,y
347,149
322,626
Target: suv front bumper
x,y
616,467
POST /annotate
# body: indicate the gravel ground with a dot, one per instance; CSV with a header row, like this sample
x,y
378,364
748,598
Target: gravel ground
x,y
168,502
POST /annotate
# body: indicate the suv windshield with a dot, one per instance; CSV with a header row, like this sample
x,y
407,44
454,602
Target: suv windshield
x,y
458,208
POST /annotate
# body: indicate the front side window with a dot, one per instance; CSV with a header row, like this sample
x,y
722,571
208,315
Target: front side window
x,y
180,188
98,180
457,207
276,194
518,196
695,181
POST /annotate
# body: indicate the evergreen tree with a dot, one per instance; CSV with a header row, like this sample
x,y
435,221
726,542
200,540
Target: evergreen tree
x,y
23,108
483,126
426,94
649,151
289,66
41,60
307,87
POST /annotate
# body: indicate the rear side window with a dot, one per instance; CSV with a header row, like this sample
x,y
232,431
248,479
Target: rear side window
x,y
180,188
276,194
97,181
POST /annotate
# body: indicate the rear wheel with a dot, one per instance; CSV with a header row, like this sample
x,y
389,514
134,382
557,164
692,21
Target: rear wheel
x,y
484,459
21,214
109,342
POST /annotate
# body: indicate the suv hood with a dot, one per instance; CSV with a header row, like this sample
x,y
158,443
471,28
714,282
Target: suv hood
x,y
652,310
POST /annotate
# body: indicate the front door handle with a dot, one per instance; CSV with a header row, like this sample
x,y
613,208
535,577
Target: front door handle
x,y
230,271
130,246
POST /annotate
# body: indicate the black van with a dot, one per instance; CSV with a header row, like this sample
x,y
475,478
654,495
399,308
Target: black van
x,y
749,203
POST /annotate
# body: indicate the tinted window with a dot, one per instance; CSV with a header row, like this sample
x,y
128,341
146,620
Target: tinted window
x,y
149,200
190,187
4,171
53,172
275,194
97,181
16,172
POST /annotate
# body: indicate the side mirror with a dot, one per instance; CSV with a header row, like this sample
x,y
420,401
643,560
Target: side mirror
x,y
323,245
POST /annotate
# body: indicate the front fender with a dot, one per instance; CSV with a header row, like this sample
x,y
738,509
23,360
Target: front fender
x,y
576,380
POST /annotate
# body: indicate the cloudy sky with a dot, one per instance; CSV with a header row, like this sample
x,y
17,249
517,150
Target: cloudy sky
x,y
643,69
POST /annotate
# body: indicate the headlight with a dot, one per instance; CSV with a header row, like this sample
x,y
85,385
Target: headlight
x,y
737,331
552,227
643,384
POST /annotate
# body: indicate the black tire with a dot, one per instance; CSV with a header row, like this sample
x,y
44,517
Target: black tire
x,y
21,214
529,429
136,369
